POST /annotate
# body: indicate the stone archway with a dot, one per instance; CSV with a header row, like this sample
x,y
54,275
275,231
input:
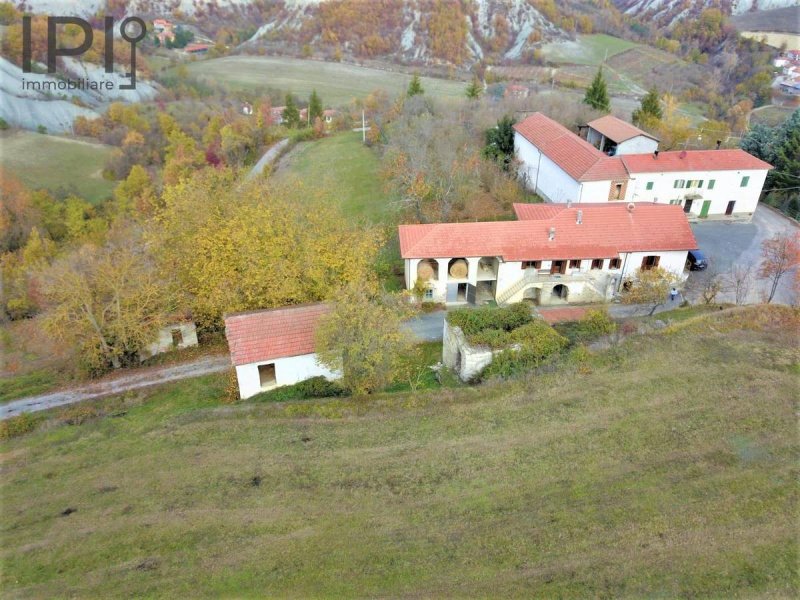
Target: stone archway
x,y
560,292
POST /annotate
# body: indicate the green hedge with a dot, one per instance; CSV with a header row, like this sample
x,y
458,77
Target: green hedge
x,y
315,387
536,341
475,321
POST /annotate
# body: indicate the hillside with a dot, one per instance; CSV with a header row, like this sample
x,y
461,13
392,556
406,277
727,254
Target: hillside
x,y
667,12
664,467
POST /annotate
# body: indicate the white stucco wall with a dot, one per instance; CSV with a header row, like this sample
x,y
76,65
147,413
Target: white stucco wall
x,y
638,145
542,175
163,342
727,187
674,261
288,370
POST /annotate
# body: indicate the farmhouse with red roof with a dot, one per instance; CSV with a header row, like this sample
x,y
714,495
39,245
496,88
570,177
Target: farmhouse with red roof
x,y
553,253
270,348
561,166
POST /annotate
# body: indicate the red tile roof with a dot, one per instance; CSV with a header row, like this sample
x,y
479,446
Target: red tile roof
x,y
577,157
269,334
694,160
616,129
607,229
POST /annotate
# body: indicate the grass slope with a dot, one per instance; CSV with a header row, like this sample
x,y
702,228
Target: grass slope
x,y
342,164
665,467
47,161
336,83
590,50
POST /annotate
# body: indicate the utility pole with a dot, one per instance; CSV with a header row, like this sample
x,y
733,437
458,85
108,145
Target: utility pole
x,y
363,129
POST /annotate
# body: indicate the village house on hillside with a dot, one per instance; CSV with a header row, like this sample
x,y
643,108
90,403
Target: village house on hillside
x,y
562,167
553,253
271,348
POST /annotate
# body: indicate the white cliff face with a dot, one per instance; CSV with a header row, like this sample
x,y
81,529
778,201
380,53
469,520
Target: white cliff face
x,y
675,9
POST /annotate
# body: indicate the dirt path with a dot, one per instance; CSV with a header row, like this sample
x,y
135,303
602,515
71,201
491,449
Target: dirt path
x,y
120,383
269,156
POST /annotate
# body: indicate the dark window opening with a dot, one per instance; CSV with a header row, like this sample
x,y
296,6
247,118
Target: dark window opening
x,y
531,264
177,337
615,263
266,375
574,264
558,266
650,262
597,263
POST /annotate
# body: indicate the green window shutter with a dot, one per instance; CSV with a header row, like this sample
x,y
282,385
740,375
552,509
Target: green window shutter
x,y
711,183
675,185
649,185
745,181
700,183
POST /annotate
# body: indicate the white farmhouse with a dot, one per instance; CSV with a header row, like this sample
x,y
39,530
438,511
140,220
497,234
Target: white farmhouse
x,y
613,136
562,167
270,348
553,253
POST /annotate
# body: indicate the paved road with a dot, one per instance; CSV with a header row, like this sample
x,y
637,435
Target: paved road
x,y
428,327
728,244
269,156
121,382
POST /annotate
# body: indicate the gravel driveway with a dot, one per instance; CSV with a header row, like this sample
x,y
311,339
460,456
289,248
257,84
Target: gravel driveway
x,y
727,244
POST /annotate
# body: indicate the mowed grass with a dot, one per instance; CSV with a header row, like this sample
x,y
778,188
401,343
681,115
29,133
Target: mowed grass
x,y
336,83
348,169
54,162
590,49
662,468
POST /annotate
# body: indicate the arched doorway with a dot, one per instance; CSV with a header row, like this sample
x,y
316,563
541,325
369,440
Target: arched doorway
x,y
560,292
532,295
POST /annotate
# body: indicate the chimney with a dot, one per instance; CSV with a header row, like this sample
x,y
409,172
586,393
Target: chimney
x,y
719,143
552,233
569,203
655,154
579,220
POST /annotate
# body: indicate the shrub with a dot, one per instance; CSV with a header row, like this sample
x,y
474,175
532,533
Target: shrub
x,y
475,320
315,387
19,425
594,324
536,341
3,124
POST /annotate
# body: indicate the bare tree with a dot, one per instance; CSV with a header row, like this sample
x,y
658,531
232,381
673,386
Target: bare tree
x,y
780,254
739,281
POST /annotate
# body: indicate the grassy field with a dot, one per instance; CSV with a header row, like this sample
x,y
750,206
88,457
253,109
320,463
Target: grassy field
x,y
336,83
771,116
52,162
342,163
665,467
589,50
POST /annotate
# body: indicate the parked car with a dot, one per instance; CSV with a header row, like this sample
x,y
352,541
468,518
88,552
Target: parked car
x,y
696,260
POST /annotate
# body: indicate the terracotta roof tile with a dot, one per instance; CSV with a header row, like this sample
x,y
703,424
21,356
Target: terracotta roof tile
x,y
616,129
269,334
693,160
607,229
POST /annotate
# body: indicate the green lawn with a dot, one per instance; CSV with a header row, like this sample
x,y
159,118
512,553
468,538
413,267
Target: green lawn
x,y
665,467
53,162
587,49
346,168
336,83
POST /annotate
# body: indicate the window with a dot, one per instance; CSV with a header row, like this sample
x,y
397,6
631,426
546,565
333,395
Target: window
x,y
679,183
615,263
429,294
745,181
650,262
678,201
531,264
649,185
711,183
266,375
558,266
597,263
694,183
177,337
574,264
617,191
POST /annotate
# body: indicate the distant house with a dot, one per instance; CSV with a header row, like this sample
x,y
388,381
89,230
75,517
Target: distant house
x,y
516,91
791,86
271,348
328,115
247,108
614,136
164,30
562,167
181,334
553,253
196,48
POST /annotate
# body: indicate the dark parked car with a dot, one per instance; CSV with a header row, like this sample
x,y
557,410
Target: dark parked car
x,y
696,260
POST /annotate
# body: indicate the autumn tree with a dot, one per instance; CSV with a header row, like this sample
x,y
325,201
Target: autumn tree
x,y
597,93
182,157
363,338
779,255
231,247
674,129
739,280
649,287
291,114
105,301
415,87
135,194
649,110
314,107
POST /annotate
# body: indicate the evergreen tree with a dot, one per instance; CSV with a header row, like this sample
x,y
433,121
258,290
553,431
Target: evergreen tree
x,y
474,89
760,141
787,155
597,93
500,142
291,116
314,106
415,87
650,109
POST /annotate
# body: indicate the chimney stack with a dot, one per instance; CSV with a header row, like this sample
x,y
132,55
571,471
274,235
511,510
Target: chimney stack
x,y
719,143
580,217
569,203
552,233
655,154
